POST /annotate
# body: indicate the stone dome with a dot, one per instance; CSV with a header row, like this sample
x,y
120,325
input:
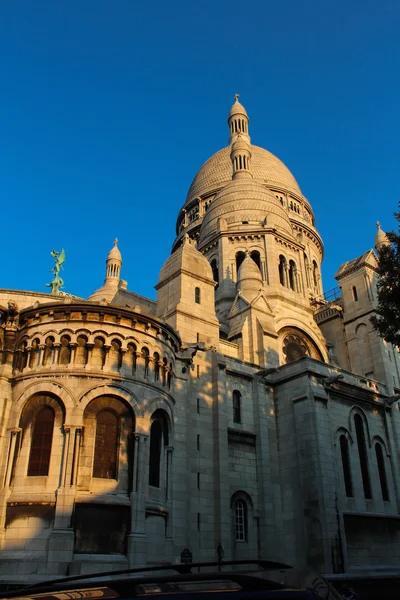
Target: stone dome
x,y
265,167
242,202
237,109
115,253
249,278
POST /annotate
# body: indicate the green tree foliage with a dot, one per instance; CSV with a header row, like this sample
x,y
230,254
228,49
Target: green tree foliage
x,y
387,319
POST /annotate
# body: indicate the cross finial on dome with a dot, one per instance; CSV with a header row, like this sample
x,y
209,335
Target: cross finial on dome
x,y
236,97
116,242
378,225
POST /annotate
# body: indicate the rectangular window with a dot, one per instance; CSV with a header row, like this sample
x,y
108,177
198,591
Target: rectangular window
x,y
198,371
197,295
198,442
198,406
198,521
198,481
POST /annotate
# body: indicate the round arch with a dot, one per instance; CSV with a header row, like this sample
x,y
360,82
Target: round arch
x,y
111,390
356,410
159,404
308,345
46,387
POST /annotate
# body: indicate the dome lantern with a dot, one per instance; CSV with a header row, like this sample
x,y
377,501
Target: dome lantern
x,y
113,263
238,121
241,157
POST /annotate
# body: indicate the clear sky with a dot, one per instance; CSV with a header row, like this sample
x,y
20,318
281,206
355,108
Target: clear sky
x,y
109,108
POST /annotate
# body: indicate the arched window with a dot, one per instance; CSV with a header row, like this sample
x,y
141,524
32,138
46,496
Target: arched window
x,y
292,275
307,268
115,355
382,471
240,520
98,354
106,447
362,453
130,357
145,361
344,450
315,273
34,359
240,256
214,268
255,255
42,437
197,295
158,441
355,295
22,356
65,350
164,370
236,404
156,365
282,270
169,378
81,351
48,351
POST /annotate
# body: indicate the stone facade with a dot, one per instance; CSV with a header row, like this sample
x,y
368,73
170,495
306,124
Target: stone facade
x,y
240,408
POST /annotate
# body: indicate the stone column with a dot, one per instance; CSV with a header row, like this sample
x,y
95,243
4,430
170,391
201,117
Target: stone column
x,y
11,455
6,491
121,368
169,502
61,541
106,357
56,354
89,356
221,462
73,347
41,355
137,536
66,431
28,360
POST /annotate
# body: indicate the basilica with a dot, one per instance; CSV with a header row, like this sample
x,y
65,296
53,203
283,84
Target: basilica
x,y
242,408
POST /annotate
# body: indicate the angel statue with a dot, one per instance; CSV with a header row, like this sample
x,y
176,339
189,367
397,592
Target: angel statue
x,y
57,282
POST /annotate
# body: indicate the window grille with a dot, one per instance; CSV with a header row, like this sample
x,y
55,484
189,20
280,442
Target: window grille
x,y
106,446
42,438
236,401
241,520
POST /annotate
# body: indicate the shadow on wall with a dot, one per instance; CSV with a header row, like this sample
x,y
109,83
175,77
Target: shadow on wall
x,y
71,492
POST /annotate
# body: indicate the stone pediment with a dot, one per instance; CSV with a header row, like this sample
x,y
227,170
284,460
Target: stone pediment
x,y
260,303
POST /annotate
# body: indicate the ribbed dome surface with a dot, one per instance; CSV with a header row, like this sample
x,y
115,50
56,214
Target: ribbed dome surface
x,y
245,201
265,167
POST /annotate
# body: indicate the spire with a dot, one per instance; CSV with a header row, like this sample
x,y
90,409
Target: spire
x,y
238,121
113,264
381,239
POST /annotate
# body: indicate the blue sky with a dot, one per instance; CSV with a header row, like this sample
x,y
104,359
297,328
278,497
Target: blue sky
x,y
108,109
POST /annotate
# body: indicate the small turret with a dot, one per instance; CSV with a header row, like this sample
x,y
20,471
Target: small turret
x,y
113,264
381,239
113,276
238,121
